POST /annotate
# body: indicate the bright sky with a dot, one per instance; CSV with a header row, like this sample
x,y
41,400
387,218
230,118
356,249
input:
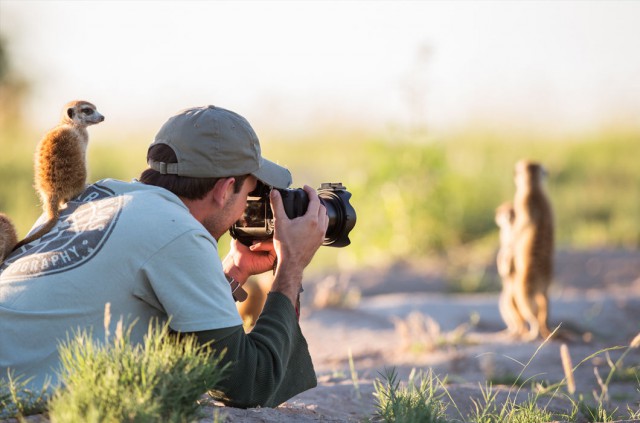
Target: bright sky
x,y
294,64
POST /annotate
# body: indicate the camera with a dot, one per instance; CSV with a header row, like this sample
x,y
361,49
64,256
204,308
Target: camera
x,y
257,221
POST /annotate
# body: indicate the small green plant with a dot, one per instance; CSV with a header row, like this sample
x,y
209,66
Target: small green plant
x,y
511,409
18,401
601,412
599,409
626,374
530,412
618,369
598,412
354,376
634,414
490,411
417,401
159,380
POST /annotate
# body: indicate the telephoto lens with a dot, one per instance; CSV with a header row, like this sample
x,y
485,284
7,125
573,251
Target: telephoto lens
x,y
257,221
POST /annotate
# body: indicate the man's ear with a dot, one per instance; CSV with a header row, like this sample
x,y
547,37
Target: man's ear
x,y
222,190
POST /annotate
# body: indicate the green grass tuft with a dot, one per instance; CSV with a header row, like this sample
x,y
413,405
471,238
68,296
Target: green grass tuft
x,y
17,400
416,402
160,380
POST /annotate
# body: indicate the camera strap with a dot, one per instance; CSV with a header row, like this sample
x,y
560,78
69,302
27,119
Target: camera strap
x,y
239,294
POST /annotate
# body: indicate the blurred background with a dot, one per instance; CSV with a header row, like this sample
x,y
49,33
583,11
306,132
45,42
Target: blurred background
x,y
420,108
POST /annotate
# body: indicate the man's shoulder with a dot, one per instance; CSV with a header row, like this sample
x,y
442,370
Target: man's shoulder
x,y
118,187
145,209
111,218
133,191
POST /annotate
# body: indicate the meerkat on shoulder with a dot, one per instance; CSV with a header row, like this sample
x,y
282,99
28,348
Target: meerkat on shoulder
x,y
60,162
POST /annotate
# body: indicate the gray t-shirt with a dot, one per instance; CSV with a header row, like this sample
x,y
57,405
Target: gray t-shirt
x,y
134,246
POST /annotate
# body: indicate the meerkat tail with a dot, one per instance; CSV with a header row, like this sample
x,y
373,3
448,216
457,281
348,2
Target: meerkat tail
x,y
54,214
39,233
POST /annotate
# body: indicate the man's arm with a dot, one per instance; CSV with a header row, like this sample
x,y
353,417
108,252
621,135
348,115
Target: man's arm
x,y
269,365
272,363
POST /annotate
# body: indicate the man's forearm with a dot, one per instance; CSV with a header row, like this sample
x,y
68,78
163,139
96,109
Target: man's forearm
x,y
288,281
269,365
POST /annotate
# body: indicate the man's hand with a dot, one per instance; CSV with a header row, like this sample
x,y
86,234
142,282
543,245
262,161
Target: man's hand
x,y
296,241
243,261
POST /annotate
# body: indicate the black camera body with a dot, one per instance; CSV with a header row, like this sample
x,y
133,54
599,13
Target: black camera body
x,y
257,222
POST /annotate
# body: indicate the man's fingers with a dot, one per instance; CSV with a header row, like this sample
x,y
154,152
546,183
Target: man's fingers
x,y
316,206
314,202
323,218
276,204
266,245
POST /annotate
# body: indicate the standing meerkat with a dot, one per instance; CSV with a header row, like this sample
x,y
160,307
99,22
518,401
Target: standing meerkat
x,y
8,236
251,308
61,164
533,247
504,218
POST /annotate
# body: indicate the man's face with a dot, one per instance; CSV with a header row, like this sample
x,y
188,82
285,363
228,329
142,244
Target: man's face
x,y
238,201
221,220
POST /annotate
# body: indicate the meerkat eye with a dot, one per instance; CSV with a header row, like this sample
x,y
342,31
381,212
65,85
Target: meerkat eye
x,y
87,111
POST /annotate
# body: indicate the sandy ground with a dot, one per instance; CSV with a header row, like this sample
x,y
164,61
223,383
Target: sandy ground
x,y
595,303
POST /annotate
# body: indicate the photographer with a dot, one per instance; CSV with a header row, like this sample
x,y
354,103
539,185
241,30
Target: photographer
x,y
149,248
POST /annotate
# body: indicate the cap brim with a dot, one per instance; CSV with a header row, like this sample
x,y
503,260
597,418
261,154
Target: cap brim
x,y
273,175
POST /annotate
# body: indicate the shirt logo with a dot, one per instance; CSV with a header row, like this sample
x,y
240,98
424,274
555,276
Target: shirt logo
x,y
84,226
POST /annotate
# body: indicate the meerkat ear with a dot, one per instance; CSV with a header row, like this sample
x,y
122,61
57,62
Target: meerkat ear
x,y
70,112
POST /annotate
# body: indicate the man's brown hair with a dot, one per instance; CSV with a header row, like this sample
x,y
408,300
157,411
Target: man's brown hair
x,y
182,186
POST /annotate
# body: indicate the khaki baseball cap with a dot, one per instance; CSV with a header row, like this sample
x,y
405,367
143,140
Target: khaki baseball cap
x,y
212,142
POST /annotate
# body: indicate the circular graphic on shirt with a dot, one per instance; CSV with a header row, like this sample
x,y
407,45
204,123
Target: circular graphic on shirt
x,y
84,226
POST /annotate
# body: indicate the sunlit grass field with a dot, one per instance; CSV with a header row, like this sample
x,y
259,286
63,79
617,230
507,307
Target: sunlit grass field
x,y
415,196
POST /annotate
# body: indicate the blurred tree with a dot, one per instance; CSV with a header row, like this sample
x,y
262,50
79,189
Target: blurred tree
x,y
4,61
13,89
